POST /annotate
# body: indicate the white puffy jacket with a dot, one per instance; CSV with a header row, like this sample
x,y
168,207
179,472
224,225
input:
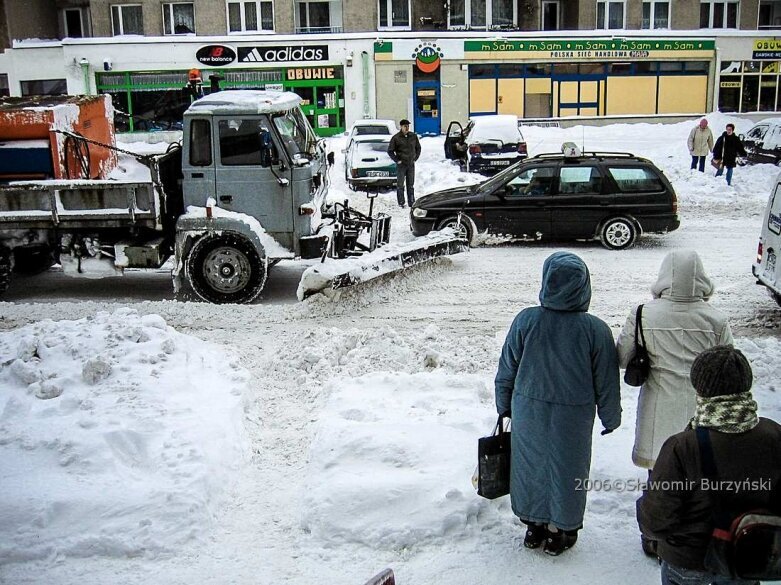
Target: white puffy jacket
x,y
678,325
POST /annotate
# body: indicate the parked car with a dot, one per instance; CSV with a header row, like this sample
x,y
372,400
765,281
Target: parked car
x,y
610,197
763,142
766,268
372,127
487,145
367,162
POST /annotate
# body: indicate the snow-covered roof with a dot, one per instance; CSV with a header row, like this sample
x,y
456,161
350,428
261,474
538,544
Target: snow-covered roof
x,y
502,127
245,101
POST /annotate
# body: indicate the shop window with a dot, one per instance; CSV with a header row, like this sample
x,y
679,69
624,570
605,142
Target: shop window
x,y
253,16
610,14
767,93
159,110
394,13
656,15
769,14
565,69
718,14
200,143
44,87
750,95
74,23
4,89
318,16
511,70
670,67
538,70
127,19
482,71
179,18
619,68
551,15
645,68
591,68
697,67
729,93
486,14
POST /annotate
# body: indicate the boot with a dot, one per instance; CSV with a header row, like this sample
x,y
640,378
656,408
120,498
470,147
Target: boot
x,y
558,542
535,535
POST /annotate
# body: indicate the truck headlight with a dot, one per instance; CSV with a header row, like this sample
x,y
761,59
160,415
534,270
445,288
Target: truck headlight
x,y
418,212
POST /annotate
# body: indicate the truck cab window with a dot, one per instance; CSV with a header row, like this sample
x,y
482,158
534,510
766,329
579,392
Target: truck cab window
x,y
240,143
200,143
293,134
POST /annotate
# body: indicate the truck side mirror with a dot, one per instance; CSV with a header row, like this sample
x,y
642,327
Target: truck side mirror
x,y
265,144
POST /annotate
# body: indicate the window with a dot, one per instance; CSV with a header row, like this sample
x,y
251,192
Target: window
x,y
127,19
74,23
550,15
635,179
44,87
318,16
758,132
200,143
769,14
4,89
718,14
491,14
532,182
293,131
179,18
394,13
656,15
610,15
240,142
257,15
575,180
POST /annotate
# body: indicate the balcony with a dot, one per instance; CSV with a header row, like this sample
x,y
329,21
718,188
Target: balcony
x,y
311,30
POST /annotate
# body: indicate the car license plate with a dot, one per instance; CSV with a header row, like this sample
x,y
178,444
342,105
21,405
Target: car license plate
x,y
377,173
500,163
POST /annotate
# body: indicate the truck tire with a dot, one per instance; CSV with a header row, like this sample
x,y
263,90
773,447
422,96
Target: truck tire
x,y
5,270
32,259
226,269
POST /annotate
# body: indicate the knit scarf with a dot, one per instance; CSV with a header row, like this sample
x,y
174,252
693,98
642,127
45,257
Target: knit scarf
x,y
732,413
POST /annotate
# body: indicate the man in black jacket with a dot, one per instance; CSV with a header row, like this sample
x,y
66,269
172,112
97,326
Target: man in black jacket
x,y
404,149
677,508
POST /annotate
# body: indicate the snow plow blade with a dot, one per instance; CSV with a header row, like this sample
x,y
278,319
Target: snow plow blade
x,y
334,274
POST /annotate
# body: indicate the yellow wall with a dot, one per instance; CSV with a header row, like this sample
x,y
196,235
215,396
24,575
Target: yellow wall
x,y
482,95
632,95
588,91
682,95
510,100
538,85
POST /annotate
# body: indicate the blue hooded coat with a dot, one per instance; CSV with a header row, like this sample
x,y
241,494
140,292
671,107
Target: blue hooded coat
x,y
558,363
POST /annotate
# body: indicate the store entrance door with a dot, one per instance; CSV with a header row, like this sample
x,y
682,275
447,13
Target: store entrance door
x,y
426,108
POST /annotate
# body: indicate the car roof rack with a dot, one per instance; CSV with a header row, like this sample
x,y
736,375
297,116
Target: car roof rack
x,y
587,154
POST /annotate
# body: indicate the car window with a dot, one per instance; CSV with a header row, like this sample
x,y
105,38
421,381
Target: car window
x,y
536,181
580,179
636,179
757,132
364,130
372,147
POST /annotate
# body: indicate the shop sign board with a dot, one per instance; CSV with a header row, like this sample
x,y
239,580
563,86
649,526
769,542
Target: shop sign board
x,y
215,55
729,84
766,49
282,54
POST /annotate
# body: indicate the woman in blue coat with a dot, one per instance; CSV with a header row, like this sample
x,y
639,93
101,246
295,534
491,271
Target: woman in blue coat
x,y
558,363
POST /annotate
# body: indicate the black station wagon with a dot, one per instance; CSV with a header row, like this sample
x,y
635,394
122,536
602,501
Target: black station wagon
x,y
610,197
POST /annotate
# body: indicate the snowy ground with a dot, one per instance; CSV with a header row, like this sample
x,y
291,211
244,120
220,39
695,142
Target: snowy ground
x,y
287,442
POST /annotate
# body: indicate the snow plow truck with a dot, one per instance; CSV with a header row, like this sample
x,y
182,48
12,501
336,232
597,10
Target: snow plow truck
x,y
245,189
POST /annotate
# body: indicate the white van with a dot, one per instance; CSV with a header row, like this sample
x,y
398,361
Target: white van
x,y
766,268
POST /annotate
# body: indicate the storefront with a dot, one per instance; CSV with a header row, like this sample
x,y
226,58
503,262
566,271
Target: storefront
x,y
541,78
751,85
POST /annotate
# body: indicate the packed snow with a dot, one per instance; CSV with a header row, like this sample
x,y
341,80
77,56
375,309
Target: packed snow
x,y
321,441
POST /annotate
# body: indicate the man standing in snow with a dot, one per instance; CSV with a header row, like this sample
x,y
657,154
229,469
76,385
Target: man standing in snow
x,y
700,144
558,367
677,509
404,149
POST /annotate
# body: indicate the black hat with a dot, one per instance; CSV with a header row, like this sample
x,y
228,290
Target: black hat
x,y
721,370
404,122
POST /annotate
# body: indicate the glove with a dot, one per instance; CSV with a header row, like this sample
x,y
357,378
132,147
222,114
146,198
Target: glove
x,y
606,431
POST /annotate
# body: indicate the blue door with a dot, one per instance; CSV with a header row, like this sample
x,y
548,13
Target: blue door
x,y
426,105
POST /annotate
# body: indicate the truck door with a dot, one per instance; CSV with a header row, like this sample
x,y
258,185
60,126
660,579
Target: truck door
x,y
198,162
253,174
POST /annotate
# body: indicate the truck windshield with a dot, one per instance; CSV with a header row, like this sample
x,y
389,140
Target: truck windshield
x,y
294,133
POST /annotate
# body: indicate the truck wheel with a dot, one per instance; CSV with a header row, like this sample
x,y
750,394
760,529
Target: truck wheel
x,y
776,297
618,233
5,270
226,269
465,229
32,259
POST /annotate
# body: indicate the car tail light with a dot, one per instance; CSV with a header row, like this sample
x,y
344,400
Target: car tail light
x,y
522,148
759,253
474,149
354,173
675,203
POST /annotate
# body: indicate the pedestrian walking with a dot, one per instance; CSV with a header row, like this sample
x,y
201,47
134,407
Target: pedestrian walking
x,y
558,365
677,509
677,325
404,149
700,143
728,148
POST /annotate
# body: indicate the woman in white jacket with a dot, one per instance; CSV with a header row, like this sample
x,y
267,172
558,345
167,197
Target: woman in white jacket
x,y
678,324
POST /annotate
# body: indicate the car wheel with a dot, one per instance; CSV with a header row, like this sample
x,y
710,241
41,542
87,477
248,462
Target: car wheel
x,y
465,228
776,297
226,269
618,233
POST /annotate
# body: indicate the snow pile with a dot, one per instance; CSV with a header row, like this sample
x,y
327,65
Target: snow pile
x,y
118,436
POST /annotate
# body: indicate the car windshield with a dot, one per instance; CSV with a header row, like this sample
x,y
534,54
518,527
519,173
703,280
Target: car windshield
x,y
373,129
369,147
499,179
294,132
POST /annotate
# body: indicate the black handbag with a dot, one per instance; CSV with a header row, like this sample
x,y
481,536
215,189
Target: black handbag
x,y
639,365
493,463
746,545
